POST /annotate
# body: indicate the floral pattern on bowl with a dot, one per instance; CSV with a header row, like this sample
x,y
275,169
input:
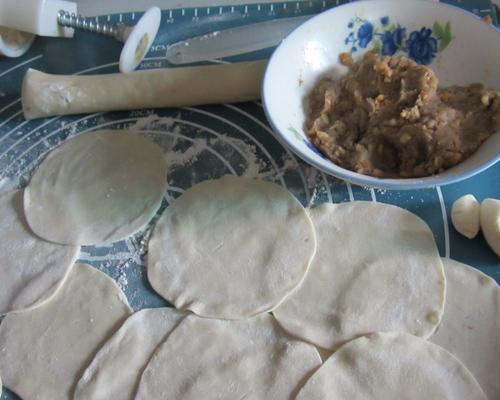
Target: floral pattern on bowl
x,y
300,136
387,38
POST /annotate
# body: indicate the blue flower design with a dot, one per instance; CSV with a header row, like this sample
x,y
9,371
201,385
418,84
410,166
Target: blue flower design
x,y
365,34
421,46
314,148
392,41
387,38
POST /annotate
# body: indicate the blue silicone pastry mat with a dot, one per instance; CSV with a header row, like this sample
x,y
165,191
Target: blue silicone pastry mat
x,y
206,142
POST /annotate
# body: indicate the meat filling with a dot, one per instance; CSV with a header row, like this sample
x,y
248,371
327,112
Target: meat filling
x,y
388,118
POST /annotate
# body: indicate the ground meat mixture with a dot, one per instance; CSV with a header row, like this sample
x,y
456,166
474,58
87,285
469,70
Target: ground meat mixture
x,y
387,118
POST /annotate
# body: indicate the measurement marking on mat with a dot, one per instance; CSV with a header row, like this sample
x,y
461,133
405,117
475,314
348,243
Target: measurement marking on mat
x,y
220,10
247,134
10,119
120,18
445,223
208,11
266,128
133,16
20,65
9,105
349,190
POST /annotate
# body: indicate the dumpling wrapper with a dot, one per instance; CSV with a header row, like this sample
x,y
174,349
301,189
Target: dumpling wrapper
x,y
249,359
44,351
231,248
96,188
470,328
377,268
31,269
117,367
391,366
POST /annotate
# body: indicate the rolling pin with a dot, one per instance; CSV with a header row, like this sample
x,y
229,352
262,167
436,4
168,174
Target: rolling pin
x,y
46,95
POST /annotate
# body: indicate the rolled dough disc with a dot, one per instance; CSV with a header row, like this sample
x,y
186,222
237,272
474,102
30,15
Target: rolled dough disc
x,y
43,352
117,367
231,248
391,366
377,268
31,269
248,359
96,188
470,328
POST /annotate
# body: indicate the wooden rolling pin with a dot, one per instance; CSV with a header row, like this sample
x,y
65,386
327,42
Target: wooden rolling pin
x,y
46,95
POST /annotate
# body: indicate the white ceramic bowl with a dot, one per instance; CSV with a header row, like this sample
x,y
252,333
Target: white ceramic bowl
x,y
467,51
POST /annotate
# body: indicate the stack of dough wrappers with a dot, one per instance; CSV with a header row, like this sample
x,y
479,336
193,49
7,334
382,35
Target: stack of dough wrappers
x,y
270,300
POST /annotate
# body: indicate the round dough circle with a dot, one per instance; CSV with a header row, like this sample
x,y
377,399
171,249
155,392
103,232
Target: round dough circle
x,y
44,351
226,360
377,268
127,351
98,187
31,269
470,328
391,366
231,248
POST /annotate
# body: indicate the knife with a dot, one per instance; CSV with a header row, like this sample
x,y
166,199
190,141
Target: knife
x,y
233,41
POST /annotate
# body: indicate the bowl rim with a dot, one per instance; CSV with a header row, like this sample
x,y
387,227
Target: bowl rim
x,y
354,177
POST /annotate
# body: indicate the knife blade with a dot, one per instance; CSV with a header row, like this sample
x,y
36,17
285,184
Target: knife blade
x,y
233,41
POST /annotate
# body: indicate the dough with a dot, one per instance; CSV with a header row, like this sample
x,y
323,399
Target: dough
x,y
470,328
231,248
31,269
116,369
465,216
44,95
43,352
248,359
377,268
391,366
490,223
96,188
